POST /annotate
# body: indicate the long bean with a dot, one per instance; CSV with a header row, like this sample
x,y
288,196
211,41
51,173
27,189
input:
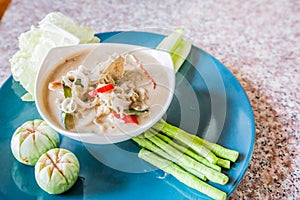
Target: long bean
x,y
183,176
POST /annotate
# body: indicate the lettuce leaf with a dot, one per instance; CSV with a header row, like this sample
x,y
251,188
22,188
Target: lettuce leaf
x,y
54,30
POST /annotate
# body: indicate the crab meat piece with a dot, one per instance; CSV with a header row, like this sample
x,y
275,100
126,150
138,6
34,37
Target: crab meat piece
x,y
146,74
55,85
116,68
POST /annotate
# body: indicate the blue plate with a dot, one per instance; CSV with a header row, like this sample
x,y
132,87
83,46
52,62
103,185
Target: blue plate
x,y
208,101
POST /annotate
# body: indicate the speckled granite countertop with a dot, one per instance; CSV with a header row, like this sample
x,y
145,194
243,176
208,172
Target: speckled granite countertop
x,y
259,42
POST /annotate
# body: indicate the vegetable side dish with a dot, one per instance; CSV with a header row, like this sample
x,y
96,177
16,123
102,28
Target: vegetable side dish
x,y
31,140
57,170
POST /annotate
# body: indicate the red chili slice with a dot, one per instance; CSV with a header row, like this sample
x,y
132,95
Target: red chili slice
x,y
102,89
128,119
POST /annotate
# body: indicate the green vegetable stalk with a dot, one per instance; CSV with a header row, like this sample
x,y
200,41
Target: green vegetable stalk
x,y
183,176
189,152
175,133
195,142
218,149
188,162
184,149
154,148
223,163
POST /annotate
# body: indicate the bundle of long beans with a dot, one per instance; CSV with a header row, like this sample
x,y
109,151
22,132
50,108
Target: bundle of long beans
x,y
189,158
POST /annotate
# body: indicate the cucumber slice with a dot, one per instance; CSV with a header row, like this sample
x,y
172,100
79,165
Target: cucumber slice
x,y
171,42
180,54
178,49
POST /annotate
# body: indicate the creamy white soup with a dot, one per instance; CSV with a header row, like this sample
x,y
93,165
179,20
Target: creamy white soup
x,y
122,91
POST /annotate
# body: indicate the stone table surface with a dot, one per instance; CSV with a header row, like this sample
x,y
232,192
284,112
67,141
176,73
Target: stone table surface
x,y
257,40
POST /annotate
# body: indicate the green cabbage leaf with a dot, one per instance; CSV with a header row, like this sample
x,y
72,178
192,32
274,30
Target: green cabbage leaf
x,y
54,30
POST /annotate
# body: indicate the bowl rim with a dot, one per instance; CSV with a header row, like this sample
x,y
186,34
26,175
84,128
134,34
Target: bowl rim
x,y
105,138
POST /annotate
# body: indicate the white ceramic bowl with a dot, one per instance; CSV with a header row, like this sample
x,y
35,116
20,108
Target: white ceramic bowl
x,y
98,53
